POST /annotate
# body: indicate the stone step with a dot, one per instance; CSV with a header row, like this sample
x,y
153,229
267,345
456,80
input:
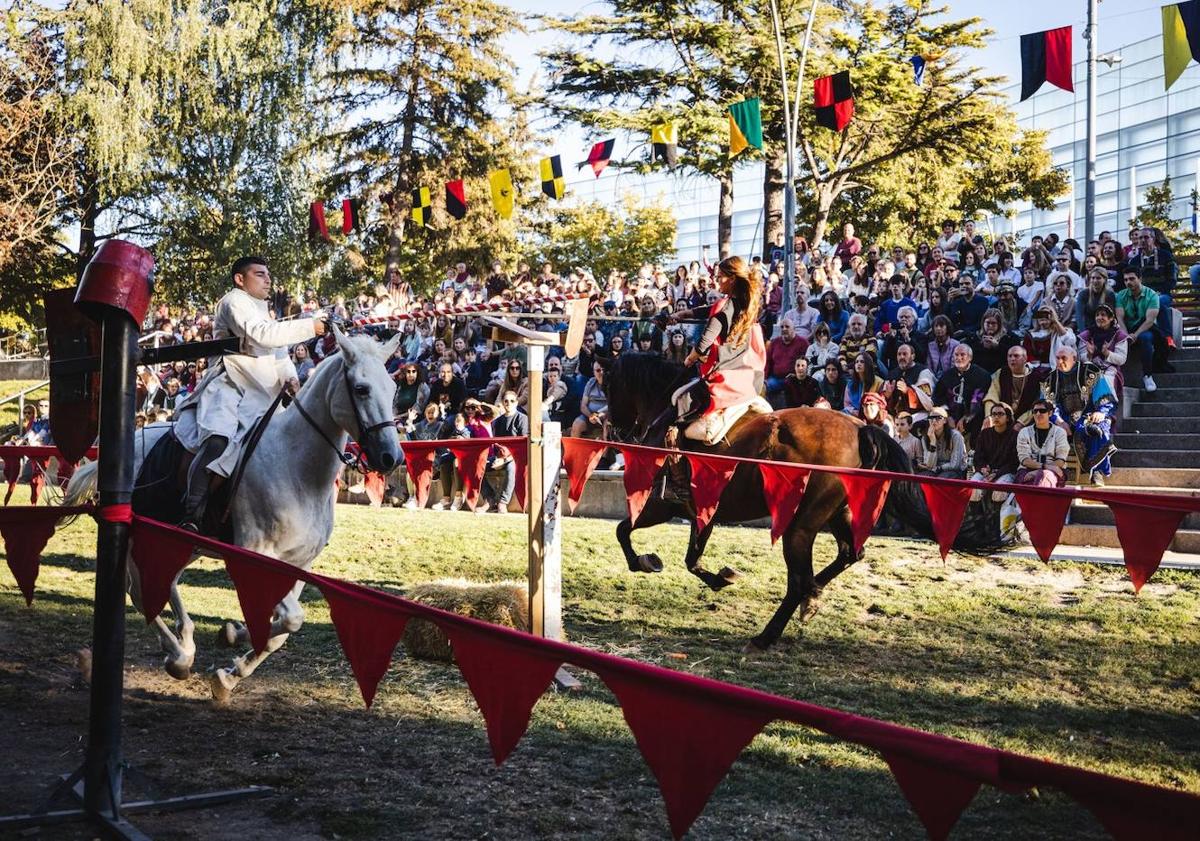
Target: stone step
x,y
1158,458
1186,366
1185,354
1186,540
1160,426
1171,395
1095,514
1161,409
1179,379
1127,475
1144,441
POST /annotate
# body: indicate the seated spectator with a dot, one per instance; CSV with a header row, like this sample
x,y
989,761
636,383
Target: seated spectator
x,y
833,386
1137,313
512,379
1096,293
167,398
1016,385
593,407
1084,406
939,352
990,345
856,340
677,344
909,442
945,451
909,386
989,287
1011,309
782,353
821,350
799,389
803,316
305,365
1062,269
861,382
1030,293
1155,265
961,391
509,424
831,314
935,307
967,309
889,310
1107,347
448,389
433,427
1042,449
874,412
412,393
905,332
554,390
996,452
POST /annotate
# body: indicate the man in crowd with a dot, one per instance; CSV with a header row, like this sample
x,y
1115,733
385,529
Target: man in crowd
x,y
1083,406
1137,314
799,389
909,386
448,390
996,451
889,310
510,424
966,311
961,391
782,353
1017,386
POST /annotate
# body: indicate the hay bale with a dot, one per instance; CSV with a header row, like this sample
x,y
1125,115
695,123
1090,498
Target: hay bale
x,y
505,603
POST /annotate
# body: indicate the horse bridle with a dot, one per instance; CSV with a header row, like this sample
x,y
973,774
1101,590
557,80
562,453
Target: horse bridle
x,y
350,460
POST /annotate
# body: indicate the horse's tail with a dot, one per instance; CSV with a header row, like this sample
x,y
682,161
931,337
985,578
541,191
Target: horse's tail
x,y
82,486
980,531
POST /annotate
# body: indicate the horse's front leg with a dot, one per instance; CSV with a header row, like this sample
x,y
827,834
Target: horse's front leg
x,y
287,619
656,512
696,545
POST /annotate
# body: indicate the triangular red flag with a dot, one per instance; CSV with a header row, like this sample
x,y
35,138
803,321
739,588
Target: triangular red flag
x,y
418,461
159,555
641,467
259,589
688,742
506,680
866,496
472,462
369,634
375,485
520,457
783,488
37,478
1044,516
1125,823
12,472
25,536
1144,533
709,478
580,457
947,504
937,795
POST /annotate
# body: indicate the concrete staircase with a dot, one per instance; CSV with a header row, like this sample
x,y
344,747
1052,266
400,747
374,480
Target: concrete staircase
x,y
1158,439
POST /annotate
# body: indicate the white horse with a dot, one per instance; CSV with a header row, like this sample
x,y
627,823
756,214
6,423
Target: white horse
x,y
284,505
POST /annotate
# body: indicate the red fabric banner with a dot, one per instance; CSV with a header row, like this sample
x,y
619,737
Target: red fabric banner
x,y
1144,533
12,472
37,478
947,504
866,496
1058,58
937,796
368,633
375,484
1044,516
506,680
472,462
519,450
641,466
26,532
418,461
259,589
689,742
580,457
159,554
709,478
783,488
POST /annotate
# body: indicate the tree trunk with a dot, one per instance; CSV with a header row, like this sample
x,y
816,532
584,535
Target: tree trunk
x,y
725,215
398,215
89,212
826,196
773,188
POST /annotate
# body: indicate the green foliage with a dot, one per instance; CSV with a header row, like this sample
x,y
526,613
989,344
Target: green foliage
x,y
601,238
1155,211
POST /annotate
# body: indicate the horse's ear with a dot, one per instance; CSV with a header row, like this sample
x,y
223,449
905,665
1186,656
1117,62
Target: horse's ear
x,y
389,347
344,344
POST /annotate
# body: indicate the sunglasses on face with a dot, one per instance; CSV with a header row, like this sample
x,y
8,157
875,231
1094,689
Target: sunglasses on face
x,y
1041,411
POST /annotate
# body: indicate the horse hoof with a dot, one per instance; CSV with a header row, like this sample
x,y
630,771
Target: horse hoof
x,y
222,693
227,636
178,668
729,575
753,647
650,563
809,610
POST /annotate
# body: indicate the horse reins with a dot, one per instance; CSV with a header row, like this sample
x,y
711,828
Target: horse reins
x,y
344,457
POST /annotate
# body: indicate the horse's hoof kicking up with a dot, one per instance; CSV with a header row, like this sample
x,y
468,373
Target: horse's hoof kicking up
x,y
178,668
729,575
650,563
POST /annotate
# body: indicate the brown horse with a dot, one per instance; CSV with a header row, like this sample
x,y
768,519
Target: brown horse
x,y
639,386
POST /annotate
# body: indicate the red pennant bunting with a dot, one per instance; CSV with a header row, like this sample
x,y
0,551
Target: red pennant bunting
x,y
947,504
783,488
159,555
506,680
520,456
688,742
866,496
419,463
641,467
937,796
472,462
709,478
375,485
12,472
37,478
25,535
369,634
580,457
1145,533
1044,516
259,589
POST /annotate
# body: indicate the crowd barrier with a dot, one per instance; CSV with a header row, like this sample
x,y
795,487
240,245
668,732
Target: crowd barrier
x,y
689,729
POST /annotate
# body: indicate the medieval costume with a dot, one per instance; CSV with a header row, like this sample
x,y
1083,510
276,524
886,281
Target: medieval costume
x,y
1111,349
1017,390
1084,401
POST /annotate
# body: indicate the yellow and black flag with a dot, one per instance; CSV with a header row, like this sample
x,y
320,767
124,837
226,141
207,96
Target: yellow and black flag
x,y
664,138
502,192
553,183
422,207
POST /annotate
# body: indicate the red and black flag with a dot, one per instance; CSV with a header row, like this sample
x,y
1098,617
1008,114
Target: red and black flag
x,y
317,229
456,199
1046,57
598,158
350,221
833,100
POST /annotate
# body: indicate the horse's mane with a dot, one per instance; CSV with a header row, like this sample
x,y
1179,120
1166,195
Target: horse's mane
x,y
644,373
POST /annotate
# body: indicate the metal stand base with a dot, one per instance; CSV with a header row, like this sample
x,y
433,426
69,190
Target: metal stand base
x,y
115,825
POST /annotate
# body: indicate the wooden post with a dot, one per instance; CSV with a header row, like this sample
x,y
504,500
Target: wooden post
x,y
535,499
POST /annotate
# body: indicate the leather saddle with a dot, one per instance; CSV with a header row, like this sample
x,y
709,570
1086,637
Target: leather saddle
x,y
160,489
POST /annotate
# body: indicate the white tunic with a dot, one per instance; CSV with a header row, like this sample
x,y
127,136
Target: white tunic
x,y
238,389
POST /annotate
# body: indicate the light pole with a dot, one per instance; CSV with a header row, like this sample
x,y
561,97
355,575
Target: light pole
x,y
1089,203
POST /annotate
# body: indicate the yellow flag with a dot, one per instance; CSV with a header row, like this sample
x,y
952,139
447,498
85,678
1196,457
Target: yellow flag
x,y
1176,50
737,140
502,192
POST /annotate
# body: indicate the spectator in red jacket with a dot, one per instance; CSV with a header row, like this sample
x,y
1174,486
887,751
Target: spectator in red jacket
x,y
782,353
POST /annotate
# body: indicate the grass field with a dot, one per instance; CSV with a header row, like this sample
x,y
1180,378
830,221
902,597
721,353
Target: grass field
x,y
1059,661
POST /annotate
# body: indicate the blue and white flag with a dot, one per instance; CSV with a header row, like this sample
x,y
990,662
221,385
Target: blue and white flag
x,y
918,63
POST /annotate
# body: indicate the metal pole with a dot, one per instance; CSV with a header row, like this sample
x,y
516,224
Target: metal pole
x,y
103,761
789,189
1089,204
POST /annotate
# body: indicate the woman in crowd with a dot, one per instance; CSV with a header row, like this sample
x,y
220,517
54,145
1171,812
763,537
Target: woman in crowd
x,y
936,306
821,350
833,386
513,380
944,448
830,313
862,381
1106,346
412,393
1042,449
677,345
304,363
593,406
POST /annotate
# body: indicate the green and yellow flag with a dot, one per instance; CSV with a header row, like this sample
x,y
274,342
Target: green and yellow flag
x,y
553,183
745,125
664,139
502,192
422,207
1181,38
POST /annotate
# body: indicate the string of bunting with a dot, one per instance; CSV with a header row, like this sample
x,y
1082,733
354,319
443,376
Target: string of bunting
x,y
39,457
689,729
1146,523
469,309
